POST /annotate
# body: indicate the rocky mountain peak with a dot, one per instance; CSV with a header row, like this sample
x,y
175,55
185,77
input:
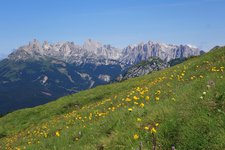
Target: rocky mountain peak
x,y
45,45
35,44
150,42
92,45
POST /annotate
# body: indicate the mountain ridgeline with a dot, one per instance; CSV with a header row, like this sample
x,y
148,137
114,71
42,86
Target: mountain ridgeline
x,y
37,73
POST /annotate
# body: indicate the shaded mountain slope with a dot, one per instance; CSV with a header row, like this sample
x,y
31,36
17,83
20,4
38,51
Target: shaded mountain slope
x,y
31,83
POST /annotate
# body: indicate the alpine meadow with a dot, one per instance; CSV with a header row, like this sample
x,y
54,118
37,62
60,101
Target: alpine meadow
x,y
112,75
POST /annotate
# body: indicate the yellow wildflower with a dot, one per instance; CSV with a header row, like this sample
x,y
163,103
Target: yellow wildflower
x,y
113,108
146,128
45,135
156,98
158,92
142,105
128,99
136,136
130,109
153,130
136,103
139,119
135,98
147,98
142,92
157,124
57,133
214,69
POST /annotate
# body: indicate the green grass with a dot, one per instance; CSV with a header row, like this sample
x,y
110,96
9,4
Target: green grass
x,y
190,113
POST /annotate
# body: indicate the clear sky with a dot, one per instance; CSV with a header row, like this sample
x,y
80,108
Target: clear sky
x,y
116,22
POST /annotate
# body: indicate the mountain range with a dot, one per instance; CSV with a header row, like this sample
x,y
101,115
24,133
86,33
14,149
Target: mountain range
x,y
46,71
95,52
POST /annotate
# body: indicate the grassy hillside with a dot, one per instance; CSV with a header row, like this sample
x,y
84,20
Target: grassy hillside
x,y
182,106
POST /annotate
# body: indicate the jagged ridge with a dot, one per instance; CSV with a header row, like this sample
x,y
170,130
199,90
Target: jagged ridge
x,y
95,52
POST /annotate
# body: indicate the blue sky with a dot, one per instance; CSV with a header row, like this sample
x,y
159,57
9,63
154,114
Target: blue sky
x,y
116,22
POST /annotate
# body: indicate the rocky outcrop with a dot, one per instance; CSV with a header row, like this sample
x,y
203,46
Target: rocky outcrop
x,y
145,67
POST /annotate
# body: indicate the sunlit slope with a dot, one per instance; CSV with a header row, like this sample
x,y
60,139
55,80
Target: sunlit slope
x,y
182,106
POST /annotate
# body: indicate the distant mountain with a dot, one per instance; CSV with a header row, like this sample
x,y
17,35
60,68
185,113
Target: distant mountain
x,y
134,54
37,73
90,52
